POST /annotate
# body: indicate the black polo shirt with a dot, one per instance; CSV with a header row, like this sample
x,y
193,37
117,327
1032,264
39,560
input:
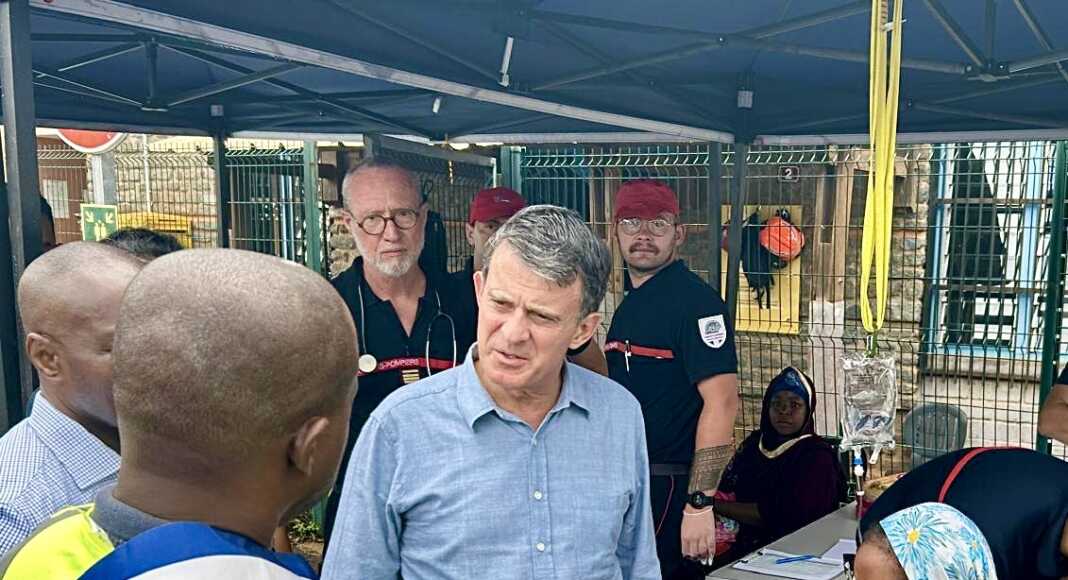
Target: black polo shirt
x,y
1063,380
678,333
1018,498
401,357
463,281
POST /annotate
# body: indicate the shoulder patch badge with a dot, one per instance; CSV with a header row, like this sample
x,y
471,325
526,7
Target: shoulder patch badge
x,y
713,330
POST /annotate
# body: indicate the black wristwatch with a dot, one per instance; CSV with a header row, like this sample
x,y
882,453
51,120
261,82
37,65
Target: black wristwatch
x,y
699,500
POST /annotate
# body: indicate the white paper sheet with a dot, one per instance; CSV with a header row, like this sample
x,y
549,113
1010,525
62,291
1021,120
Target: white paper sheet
x,y
763,562
840,549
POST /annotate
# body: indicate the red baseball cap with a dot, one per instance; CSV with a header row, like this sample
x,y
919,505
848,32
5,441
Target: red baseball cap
x,y
495,203
645,199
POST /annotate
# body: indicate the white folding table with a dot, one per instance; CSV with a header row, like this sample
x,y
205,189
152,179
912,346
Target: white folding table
x,y
815,538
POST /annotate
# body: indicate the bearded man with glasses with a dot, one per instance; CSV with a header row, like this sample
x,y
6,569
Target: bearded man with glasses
x,y
671,345
409,323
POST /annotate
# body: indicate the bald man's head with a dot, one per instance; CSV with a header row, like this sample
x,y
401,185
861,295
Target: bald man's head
x,y
52,285
221,355
69,302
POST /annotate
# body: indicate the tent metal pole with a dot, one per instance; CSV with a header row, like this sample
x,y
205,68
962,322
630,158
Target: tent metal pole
x,y
814,19
734,235
222,190
99,56
1051,57
152,71
125,14
359,112
679,95
390,94
417,39
1054,300
1040,34
88,94
502,124
64,37
23,201
87,89
1015,119
991,28
955,32
229,85
715,215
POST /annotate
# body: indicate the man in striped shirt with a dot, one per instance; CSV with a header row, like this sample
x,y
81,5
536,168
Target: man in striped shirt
x,y
67,449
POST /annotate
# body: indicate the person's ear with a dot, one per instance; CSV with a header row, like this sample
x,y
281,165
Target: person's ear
x,y
480,283
43,353
469,229
680,235
306,444
587,326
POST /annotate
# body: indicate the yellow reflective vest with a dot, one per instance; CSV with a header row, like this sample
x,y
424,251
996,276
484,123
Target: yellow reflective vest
x,y
62,548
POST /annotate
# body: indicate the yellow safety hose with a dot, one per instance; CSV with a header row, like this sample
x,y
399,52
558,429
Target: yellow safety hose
x,y
884,81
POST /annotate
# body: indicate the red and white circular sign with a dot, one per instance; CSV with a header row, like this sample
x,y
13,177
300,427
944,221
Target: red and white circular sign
x,y
91,141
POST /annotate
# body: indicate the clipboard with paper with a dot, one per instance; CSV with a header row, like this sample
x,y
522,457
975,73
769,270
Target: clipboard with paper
x,y
764,562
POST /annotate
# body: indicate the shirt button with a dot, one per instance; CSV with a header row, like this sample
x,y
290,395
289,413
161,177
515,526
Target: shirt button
x,y
540,547
538,495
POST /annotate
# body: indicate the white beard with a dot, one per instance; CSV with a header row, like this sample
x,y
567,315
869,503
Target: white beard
x,y
395,267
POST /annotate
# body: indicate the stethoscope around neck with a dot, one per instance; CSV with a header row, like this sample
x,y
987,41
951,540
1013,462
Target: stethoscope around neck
x,y
367,362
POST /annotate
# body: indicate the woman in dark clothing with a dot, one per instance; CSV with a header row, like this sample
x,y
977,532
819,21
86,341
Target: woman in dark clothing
x,y
783,476
1017,499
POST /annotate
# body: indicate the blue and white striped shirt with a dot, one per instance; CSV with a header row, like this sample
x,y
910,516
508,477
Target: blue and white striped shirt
x,y
47,462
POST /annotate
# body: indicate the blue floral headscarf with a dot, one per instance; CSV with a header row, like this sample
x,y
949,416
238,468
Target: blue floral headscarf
x,y
934,541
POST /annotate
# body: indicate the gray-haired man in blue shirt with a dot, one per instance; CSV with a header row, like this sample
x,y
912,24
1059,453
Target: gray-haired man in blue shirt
x,y
515,464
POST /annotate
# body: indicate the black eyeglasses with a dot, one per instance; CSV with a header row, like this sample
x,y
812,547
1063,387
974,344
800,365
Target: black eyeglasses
x,y
375,224
657,226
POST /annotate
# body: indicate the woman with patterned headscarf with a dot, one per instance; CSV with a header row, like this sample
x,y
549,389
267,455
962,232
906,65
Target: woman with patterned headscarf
x,y
783,476
929,541
1016,525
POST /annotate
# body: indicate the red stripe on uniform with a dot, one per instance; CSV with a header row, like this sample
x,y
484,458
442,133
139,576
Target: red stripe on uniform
x,y
407,364
660,353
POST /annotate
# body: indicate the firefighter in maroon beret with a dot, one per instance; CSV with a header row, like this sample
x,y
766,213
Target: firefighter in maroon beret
x,y
671,344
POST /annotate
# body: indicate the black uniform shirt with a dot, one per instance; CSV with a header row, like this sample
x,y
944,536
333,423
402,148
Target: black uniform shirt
x,y
1018,499
399,355
677,332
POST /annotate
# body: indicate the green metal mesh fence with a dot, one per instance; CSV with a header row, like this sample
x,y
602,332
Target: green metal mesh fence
x,y
971,245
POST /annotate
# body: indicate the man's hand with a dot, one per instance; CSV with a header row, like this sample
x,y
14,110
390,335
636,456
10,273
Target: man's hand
x,y
699,534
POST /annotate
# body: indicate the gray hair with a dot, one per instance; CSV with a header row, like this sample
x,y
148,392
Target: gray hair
x,y
383,163
558,245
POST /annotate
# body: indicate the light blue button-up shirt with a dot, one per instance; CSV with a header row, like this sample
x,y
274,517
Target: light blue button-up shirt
x,y
444,484
47,462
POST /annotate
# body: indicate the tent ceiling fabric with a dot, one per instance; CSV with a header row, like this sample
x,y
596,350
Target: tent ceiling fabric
x,y
596,66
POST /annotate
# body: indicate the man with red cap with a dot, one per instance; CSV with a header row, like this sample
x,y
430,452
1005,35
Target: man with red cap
x,y
671,345
490,208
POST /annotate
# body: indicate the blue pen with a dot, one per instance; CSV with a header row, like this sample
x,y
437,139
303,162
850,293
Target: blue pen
x,y
794,559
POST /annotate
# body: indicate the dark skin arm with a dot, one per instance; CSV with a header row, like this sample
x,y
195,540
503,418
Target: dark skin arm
x,y
1053,418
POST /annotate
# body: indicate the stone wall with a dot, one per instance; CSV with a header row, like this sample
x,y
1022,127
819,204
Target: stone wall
x,y
180,181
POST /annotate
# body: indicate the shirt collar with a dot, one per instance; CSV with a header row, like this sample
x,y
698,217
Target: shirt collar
x,y
665,273
475,402
121,521
88,460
